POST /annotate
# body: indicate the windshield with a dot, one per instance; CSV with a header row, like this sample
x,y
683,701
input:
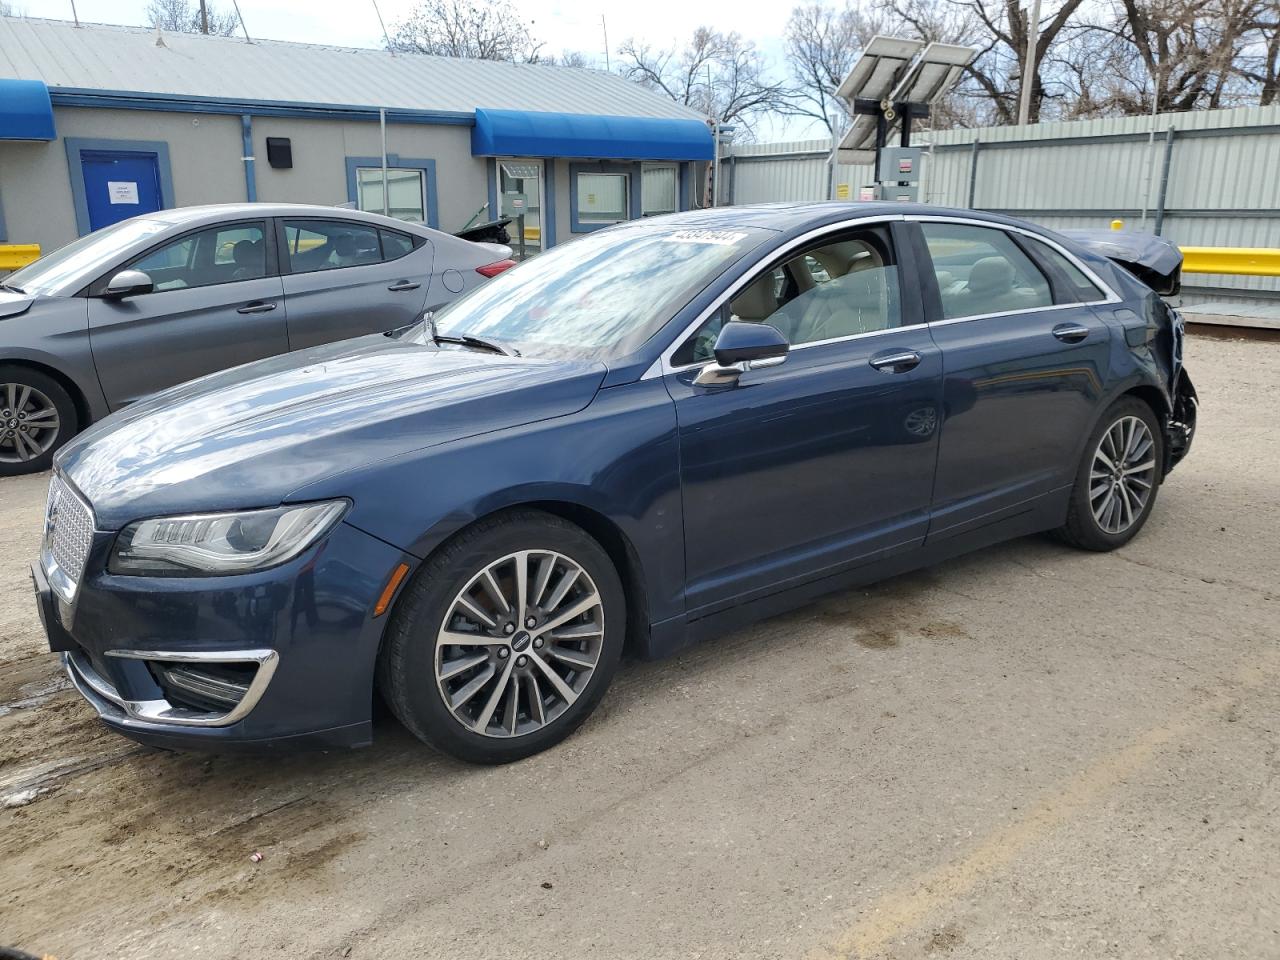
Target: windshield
x,y
54,271
601,296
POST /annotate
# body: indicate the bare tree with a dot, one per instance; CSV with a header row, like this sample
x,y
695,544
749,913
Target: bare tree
x,y
720,74
1260,61
183,16
475,29
822,44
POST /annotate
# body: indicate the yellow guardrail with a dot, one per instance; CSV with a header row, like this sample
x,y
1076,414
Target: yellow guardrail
x,y
1242,261
14,256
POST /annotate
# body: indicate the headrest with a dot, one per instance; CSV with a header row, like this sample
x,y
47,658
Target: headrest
x,y
991,275
946,280
757,301
246,253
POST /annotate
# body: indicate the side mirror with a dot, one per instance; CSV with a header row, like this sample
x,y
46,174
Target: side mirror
x,y
128,283
743,346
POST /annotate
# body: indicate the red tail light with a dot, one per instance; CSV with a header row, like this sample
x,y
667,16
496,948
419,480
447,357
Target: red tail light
x,y
493,269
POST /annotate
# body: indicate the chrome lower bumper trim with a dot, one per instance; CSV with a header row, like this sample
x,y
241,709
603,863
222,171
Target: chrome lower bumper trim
x,y
107,700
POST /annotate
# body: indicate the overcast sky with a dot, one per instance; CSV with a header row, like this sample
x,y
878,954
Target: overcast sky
x,y
561,24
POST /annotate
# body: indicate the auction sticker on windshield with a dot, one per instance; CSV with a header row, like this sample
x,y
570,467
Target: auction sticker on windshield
x,y
724,238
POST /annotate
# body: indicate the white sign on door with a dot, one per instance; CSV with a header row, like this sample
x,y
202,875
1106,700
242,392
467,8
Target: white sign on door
x,y
122,191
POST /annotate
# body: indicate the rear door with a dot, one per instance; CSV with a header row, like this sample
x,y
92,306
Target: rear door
x,y
217,302
1024,363
348,278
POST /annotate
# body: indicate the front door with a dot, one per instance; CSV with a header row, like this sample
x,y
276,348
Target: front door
x,y
827,460
217,302
1024,362
119,185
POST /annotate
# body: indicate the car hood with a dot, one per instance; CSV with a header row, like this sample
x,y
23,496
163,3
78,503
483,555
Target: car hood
x,y
249,436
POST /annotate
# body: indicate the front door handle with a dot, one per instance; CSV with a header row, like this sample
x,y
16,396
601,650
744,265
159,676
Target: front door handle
x,y
402,285
257,306
900,361
1070,332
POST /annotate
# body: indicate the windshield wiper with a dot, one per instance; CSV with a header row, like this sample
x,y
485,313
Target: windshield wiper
x,y
465,340
10,286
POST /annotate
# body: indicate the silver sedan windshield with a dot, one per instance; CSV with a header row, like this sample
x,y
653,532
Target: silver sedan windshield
x,y
600,296
79,261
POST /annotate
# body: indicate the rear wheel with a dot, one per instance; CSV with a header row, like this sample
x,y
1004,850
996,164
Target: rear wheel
x,y
506,639
1118,478
37,416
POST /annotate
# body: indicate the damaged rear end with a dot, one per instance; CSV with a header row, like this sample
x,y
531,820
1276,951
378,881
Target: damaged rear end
x,y
1154,326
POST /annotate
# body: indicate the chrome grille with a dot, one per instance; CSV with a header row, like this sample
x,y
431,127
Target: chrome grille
x,y
68,529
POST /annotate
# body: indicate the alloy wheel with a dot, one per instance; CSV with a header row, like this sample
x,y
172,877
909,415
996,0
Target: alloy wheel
x,y
29,423
1122,475
519,643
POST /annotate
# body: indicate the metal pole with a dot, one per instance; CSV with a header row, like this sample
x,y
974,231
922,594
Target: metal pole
x,y
973,173
204,17
382,127
1029,65
75,16
385,36
1164,180
1151,149
605,29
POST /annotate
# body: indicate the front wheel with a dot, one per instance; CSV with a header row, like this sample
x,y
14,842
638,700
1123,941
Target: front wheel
x,y
37,416
1118,478
506,639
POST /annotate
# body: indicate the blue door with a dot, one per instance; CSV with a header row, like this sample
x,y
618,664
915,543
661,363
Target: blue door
x,y
119,185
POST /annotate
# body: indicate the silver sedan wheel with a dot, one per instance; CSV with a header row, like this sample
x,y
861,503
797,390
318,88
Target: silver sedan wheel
x,y
1122,475
29,423
519,643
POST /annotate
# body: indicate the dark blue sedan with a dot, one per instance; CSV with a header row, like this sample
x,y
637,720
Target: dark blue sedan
x,y
630,442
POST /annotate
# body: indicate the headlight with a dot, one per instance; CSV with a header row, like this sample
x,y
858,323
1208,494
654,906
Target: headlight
x,y
221,543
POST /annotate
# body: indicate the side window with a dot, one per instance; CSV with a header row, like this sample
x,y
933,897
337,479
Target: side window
x,y
217,255
981,270
828,292
1084,289
329,245
394,244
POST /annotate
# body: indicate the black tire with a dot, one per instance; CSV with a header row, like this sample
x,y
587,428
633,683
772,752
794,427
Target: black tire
x,y
1082,529
68,419
406,663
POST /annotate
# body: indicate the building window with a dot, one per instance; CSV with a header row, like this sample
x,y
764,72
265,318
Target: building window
x,y
659,190
406,192
603,197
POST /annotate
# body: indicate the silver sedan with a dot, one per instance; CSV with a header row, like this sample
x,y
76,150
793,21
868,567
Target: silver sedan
x,y
170,296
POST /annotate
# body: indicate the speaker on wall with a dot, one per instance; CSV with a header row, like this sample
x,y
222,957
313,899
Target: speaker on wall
x,y
280,153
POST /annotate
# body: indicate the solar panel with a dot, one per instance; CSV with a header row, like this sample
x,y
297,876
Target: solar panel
x,y
874,72
933,73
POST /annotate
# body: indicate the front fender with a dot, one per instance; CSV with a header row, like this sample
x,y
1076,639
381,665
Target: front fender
x,y
618,458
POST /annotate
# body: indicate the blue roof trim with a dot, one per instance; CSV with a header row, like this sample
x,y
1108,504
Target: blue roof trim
x,y
25,111
519,133
182,103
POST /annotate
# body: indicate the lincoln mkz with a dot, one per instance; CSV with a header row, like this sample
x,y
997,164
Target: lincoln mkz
x,y
630,442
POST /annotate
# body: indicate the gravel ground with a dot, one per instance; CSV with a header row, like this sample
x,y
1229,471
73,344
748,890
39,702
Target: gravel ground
x,y
1030,752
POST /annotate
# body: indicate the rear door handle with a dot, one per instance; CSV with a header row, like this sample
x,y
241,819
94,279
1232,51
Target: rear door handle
x,y
401,285
1070,332
900,361
257,306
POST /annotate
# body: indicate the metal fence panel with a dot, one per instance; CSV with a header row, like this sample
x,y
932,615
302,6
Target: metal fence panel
x,y
1223,184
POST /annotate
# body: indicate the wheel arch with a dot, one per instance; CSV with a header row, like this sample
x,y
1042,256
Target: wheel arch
x,y
84,416
612,539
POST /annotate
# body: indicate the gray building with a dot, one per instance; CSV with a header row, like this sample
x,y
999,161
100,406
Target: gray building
x,y
100,123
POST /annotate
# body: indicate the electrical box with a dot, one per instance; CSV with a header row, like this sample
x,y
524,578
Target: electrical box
x,y
280,153
899,165
893,192
515,204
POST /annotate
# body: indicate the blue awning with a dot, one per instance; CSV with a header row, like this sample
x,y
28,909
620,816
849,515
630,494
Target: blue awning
x,y
519,133
25,111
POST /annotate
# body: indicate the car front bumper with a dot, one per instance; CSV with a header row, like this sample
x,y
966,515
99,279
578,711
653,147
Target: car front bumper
x,y
282,658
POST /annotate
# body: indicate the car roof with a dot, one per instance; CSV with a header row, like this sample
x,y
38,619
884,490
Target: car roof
x,y
787,216
216,212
